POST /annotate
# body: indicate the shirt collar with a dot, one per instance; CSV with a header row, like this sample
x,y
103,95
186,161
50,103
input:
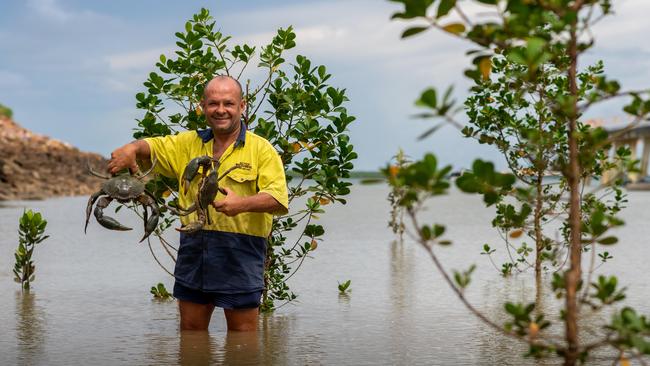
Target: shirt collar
x,y
206,135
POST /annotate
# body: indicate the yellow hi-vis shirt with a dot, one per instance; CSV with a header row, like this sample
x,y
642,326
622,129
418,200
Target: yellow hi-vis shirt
x,y
266,174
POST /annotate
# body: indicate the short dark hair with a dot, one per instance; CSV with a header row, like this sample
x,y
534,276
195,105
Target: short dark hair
x,y
221,77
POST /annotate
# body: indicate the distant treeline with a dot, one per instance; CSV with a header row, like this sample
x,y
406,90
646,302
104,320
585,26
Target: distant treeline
x,y
366,174
355,174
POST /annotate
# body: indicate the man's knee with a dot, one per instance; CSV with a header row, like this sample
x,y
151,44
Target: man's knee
x,y
195,316
241,320
194,324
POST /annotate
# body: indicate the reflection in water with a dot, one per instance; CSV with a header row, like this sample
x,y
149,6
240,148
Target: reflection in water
x,y
402,266
162,344
344,299
495,347
499,349
271,344
274,331
195,348
281,346
242,348
30,329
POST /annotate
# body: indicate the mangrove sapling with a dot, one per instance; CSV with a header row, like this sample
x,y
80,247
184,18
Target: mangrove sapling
x,y
515,115
535,34
292,106
160,292
31,227
396,222
344,288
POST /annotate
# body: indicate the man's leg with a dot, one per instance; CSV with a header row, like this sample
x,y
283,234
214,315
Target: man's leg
x,y
241,320
195,316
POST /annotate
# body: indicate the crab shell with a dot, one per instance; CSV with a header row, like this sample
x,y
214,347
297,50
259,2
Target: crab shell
x,y
123,187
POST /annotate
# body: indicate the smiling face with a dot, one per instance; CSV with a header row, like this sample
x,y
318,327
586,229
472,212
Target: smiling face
x,y
223,105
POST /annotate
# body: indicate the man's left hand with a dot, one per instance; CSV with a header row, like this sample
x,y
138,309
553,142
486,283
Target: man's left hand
x,y
231,205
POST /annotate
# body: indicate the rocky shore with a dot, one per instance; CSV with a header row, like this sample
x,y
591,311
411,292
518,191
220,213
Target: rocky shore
x,y
34,166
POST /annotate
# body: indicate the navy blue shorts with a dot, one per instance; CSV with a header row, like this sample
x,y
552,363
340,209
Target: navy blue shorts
x,y
247,300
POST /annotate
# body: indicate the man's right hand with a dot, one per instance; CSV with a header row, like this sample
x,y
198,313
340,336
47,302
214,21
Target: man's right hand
x,y
123,157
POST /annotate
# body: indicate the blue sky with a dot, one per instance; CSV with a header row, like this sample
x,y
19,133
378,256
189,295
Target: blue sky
x,y
70,69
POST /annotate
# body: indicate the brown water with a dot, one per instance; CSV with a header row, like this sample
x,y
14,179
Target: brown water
x,y
90,302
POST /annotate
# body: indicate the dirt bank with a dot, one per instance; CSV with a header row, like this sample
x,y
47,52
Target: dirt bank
x,y
34,166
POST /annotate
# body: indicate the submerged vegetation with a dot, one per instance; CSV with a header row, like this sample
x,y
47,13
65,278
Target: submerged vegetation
x,y
344,288
528,100
159,292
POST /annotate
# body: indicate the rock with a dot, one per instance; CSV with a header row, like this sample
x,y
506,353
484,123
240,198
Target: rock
x,y
33,166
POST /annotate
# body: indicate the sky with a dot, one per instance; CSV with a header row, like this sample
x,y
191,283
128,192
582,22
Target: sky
x,y
70,69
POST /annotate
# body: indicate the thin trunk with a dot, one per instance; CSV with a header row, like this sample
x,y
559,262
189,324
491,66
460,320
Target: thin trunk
x,y
540,166
267,265
572,277
539,298
539,241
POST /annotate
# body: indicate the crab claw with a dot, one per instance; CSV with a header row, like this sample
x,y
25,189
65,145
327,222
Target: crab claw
x,y
179,211
150,226
192,169
107,221
151,223
192,227
89,207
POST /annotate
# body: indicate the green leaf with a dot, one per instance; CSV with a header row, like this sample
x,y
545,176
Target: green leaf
x,y
425,231
438,230
608,240
444,7
413,31
428,99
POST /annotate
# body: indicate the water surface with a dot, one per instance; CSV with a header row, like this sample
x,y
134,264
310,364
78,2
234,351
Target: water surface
x,y
90,302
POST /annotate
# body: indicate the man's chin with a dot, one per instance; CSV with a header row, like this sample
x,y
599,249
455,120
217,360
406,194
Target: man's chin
x,y
219,122
223,127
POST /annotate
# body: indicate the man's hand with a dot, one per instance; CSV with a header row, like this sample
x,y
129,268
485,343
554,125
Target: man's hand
x,y
231,205
125,156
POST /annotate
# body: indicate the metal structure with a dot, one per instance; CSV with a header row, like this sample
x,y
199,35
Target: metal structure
x,y
637,138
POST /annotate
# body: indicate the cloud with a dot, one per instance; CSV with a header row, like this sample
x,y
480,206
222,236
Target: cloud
x,y
625,27
370,41
137,60
109,52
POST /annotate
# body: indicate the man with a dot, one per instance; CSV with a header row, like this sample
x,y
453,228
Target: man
x,y
223,264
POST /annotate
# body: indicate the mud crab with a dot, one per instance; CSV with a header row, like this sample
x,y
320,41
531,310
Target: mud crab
x,y
208,188
124,187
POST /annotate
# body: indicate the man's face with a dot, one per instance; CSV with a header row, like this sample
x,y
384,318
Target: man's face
x,y
223,106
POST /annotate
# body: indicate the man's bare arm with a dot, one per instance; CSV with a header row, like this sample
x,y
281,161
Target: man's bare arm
x,y
126,156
